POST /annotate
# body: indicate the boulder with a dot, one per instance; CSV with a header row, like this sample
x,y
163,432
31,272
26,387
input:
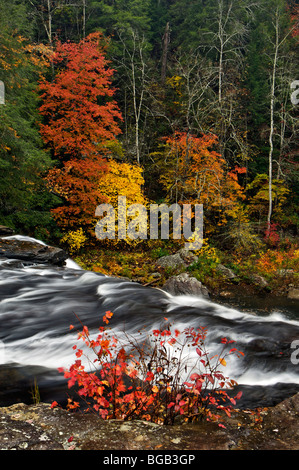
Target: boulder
x,y
259,281
171,261
183,284
31,251
226,272
5,231
181,259
293,293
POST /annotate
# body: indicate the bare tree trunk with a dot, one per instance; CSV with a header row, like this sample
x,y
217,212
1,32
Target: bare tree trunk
x,y
272,101
84,19
133,63
49,29
221,41
165,41
278,43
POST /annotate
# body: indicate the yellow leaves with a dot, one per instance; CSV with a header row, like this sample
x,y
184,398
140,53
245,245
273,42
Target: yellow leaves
x,y
208,252
122,179
40,55
175,83
75,240
222,361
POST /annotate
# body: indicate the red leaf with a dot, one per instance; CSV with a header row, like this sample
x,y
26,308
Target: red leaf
x,y
199,352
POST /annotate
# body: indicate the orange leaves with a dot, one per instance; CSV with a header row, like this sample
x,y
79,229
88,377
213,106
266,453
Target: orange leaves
x,y
80,116
75,123
196,173
107,317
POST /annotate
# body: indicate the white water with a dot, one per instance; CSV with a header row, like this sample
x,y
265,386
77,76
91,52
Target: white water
x,y
38,303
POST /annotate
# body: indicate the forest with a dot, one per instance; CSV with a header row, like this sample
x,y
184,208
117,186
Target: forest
x,y
161,101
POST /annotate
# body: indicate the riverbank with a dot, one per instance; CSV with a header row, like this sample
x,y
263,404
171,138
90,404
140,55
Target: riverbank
x,y
224,275
38,427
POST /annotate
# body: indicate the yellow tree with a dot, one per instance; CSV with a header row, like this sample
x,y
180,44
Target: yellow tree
x,y
126,180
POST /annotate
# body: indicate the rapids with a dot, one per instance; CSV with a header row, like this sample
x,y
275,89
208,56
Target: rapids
x,y
38,304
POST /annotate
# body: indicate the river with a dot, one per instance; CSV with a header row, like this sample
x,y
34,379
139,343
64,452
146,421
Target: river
x,y
38,304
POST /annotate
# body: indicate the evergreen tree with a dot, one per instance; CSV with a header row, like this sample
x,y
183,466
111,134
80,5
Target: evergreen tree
x,y
24,201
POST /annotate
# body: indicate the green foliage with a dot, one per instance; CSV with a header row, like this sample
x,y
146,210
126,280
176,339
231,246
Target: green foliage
x,y
208,259
110,17
25,202
258,196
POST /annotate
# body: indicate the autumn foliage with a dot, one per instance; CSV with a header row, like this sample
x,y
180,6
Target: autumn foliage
x,y
80,117
196,173
123,179
144,379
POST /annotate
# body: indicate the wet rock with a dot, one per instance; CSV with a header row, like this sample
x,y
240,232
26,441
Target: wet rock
x,y
31,251
183,284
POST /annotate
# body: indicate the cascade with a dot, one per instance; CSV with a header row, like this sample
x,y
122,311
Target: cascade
x,y
39,302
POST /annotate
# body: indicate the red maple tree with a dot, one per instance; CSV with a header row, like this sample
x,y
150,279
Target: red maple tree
x,y
80,117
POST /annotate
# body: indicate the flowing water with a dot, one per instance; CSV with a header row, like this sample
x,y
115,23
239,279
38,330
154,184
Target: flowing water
x,y
38,304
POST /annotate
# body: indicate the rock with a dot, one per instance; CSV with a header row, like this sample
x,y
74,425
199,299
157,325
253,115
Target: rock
x,y
259,281
293,293
183,284
5,231
226,293
156,275
38,427
226,272
181,259
281,424
285,272
31,251
187,256
171,261
284,416
23,435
